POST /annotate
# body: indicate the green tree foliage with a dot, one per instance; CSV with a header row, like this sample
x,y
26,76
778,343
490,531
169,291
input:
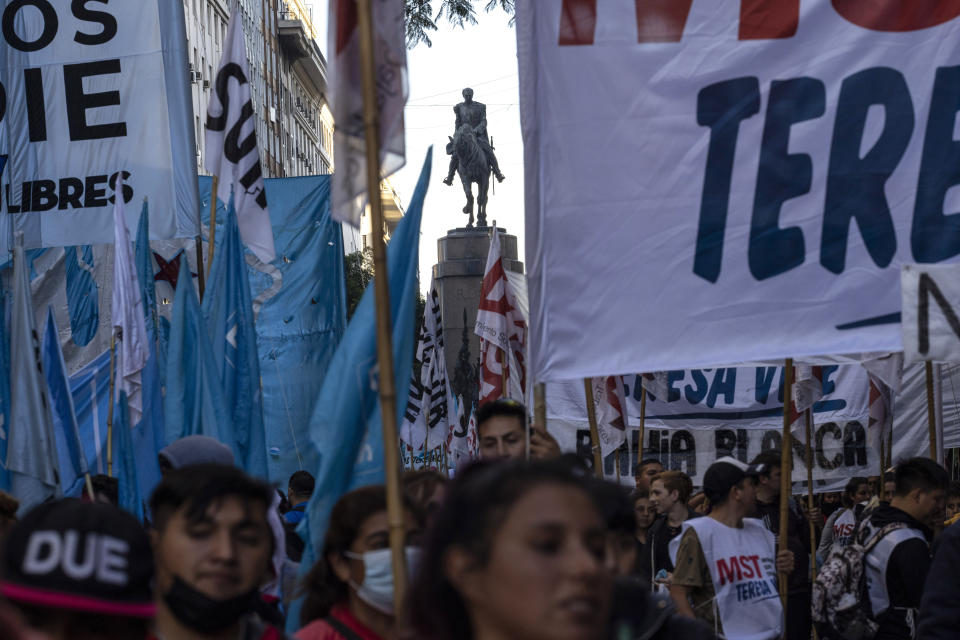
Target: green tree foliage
x,y
358,267
459,13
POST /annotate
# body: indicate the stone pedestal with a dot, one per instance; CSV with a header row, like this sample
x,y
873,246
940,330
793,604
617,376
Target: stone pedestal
x,y
461,260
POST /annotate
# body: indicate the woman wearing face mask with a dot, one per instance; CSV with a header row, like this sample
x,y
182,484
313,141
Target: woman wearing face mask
x,y
349,591
515,552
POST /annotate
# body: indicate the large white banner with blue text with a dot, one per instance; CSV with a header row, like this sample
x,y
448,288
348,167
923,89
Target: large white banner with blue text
x,y
90,91
719,181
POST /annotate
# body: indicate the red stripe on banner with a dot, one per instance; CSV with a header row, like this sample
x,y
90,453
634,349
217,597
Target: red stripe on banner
x,y
768,19
897,15
346,22
661,20
578,22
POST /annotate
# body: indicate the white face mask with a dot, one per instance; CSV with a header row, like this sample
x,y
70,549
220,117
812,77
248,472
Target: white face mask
x,y
377,586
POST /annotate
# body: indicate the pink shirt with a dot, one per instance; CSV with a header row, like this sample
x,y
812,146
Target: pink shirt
x,y
321,630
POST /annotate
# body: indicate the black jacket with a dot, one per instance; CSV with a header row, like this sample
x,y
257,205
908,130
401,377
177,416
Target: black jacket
x,y
940,605
636,613
798,540
655,554
906,575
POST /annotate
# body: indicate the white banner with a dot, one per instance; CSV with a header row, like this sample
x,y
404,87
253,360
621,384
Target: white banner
x,y
709,413
931,325
90,91
742,180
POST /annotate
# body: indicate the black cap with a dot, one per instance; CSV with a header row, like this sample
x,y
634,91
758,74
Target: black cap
x,y
725,473
83,556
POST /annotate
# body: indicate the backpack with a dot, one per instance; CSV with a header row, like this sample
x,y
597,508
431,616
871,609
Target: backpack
x,y
840,602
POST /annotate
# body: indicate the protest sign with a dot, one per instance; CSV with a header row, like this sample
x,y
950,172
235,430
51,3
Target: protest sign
x,y
931,324
742,180
90,92
737,411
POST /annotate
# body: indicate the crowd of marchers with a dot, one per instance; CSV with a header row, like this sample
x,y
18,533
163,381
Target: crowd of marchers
x,y
524,544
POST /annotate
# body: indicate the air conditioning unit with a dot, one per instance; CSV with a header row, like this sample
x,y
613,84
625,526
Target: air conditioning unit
x,y
206,84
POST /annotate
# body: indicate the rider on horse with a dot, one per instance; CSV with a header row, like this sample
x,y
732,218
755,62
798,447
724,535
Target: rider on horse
x,y
475,115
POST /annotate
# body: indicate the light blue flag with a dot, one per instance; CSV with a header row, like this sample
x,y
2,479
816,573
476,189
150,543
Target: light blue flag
x,y
90,387
299,304
73,462
149,434
31,445
4,393
346,427
194,403
228,308
124,459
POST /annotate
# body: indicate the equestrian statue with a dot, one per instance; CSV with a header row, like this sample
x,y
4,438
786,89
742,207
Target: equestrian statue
x,y
471,155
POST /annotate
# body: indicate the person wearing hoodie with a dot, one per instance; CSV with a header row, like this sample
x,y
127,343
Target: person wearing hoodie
x,y
897,567
939,613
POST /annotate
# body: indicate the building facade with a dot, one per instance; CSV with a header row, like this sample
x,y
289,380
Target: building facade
x,y
287,79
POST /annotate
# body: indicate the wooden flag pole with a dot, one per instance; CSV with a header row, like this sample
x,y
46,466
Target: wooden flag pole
x,y
113,349
931,412
213,224
200,279
786,471
883,459
808,414
89,483
594,431
381,284
504,377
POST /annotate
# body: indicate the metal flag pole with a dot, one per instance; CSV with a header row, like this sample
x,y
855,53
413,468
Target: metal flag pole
x,y
594,431
381,284
786,471
643,420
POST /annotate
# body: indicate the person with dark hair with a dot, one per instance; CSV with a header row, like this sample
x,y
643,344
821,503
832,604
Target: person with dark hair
x,y
669,493
838,531
79,571
644,514
426,488
727,563
897,566
502,432
645,471
830,502
299,489
213,547
349,591
105,489
615,503
516,551
8,514
799,621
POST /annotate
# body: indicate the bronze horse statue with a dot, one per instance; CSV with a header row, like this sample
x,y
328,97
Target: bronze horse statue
x,y
473,169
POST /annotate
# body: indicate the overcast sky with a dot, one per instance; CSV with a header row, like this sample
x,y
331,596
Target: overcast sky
x,y
484,57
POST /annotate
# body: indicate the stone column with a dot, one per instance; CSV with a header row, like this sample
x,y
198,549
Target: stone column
x,y
461,260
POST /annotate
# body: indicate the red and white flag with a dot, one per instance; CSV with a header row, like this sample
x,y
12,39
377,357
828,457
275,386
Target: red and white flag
x,y
502,330
346,86
610,403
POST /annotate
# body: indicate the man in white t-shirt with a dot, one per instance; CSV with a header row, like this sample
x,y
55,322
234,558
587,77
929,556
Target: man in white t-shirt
x,y
726,564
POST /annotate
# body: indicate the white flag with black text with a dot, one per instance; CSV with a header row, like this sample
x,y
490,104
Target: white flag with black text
x,y
231,141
